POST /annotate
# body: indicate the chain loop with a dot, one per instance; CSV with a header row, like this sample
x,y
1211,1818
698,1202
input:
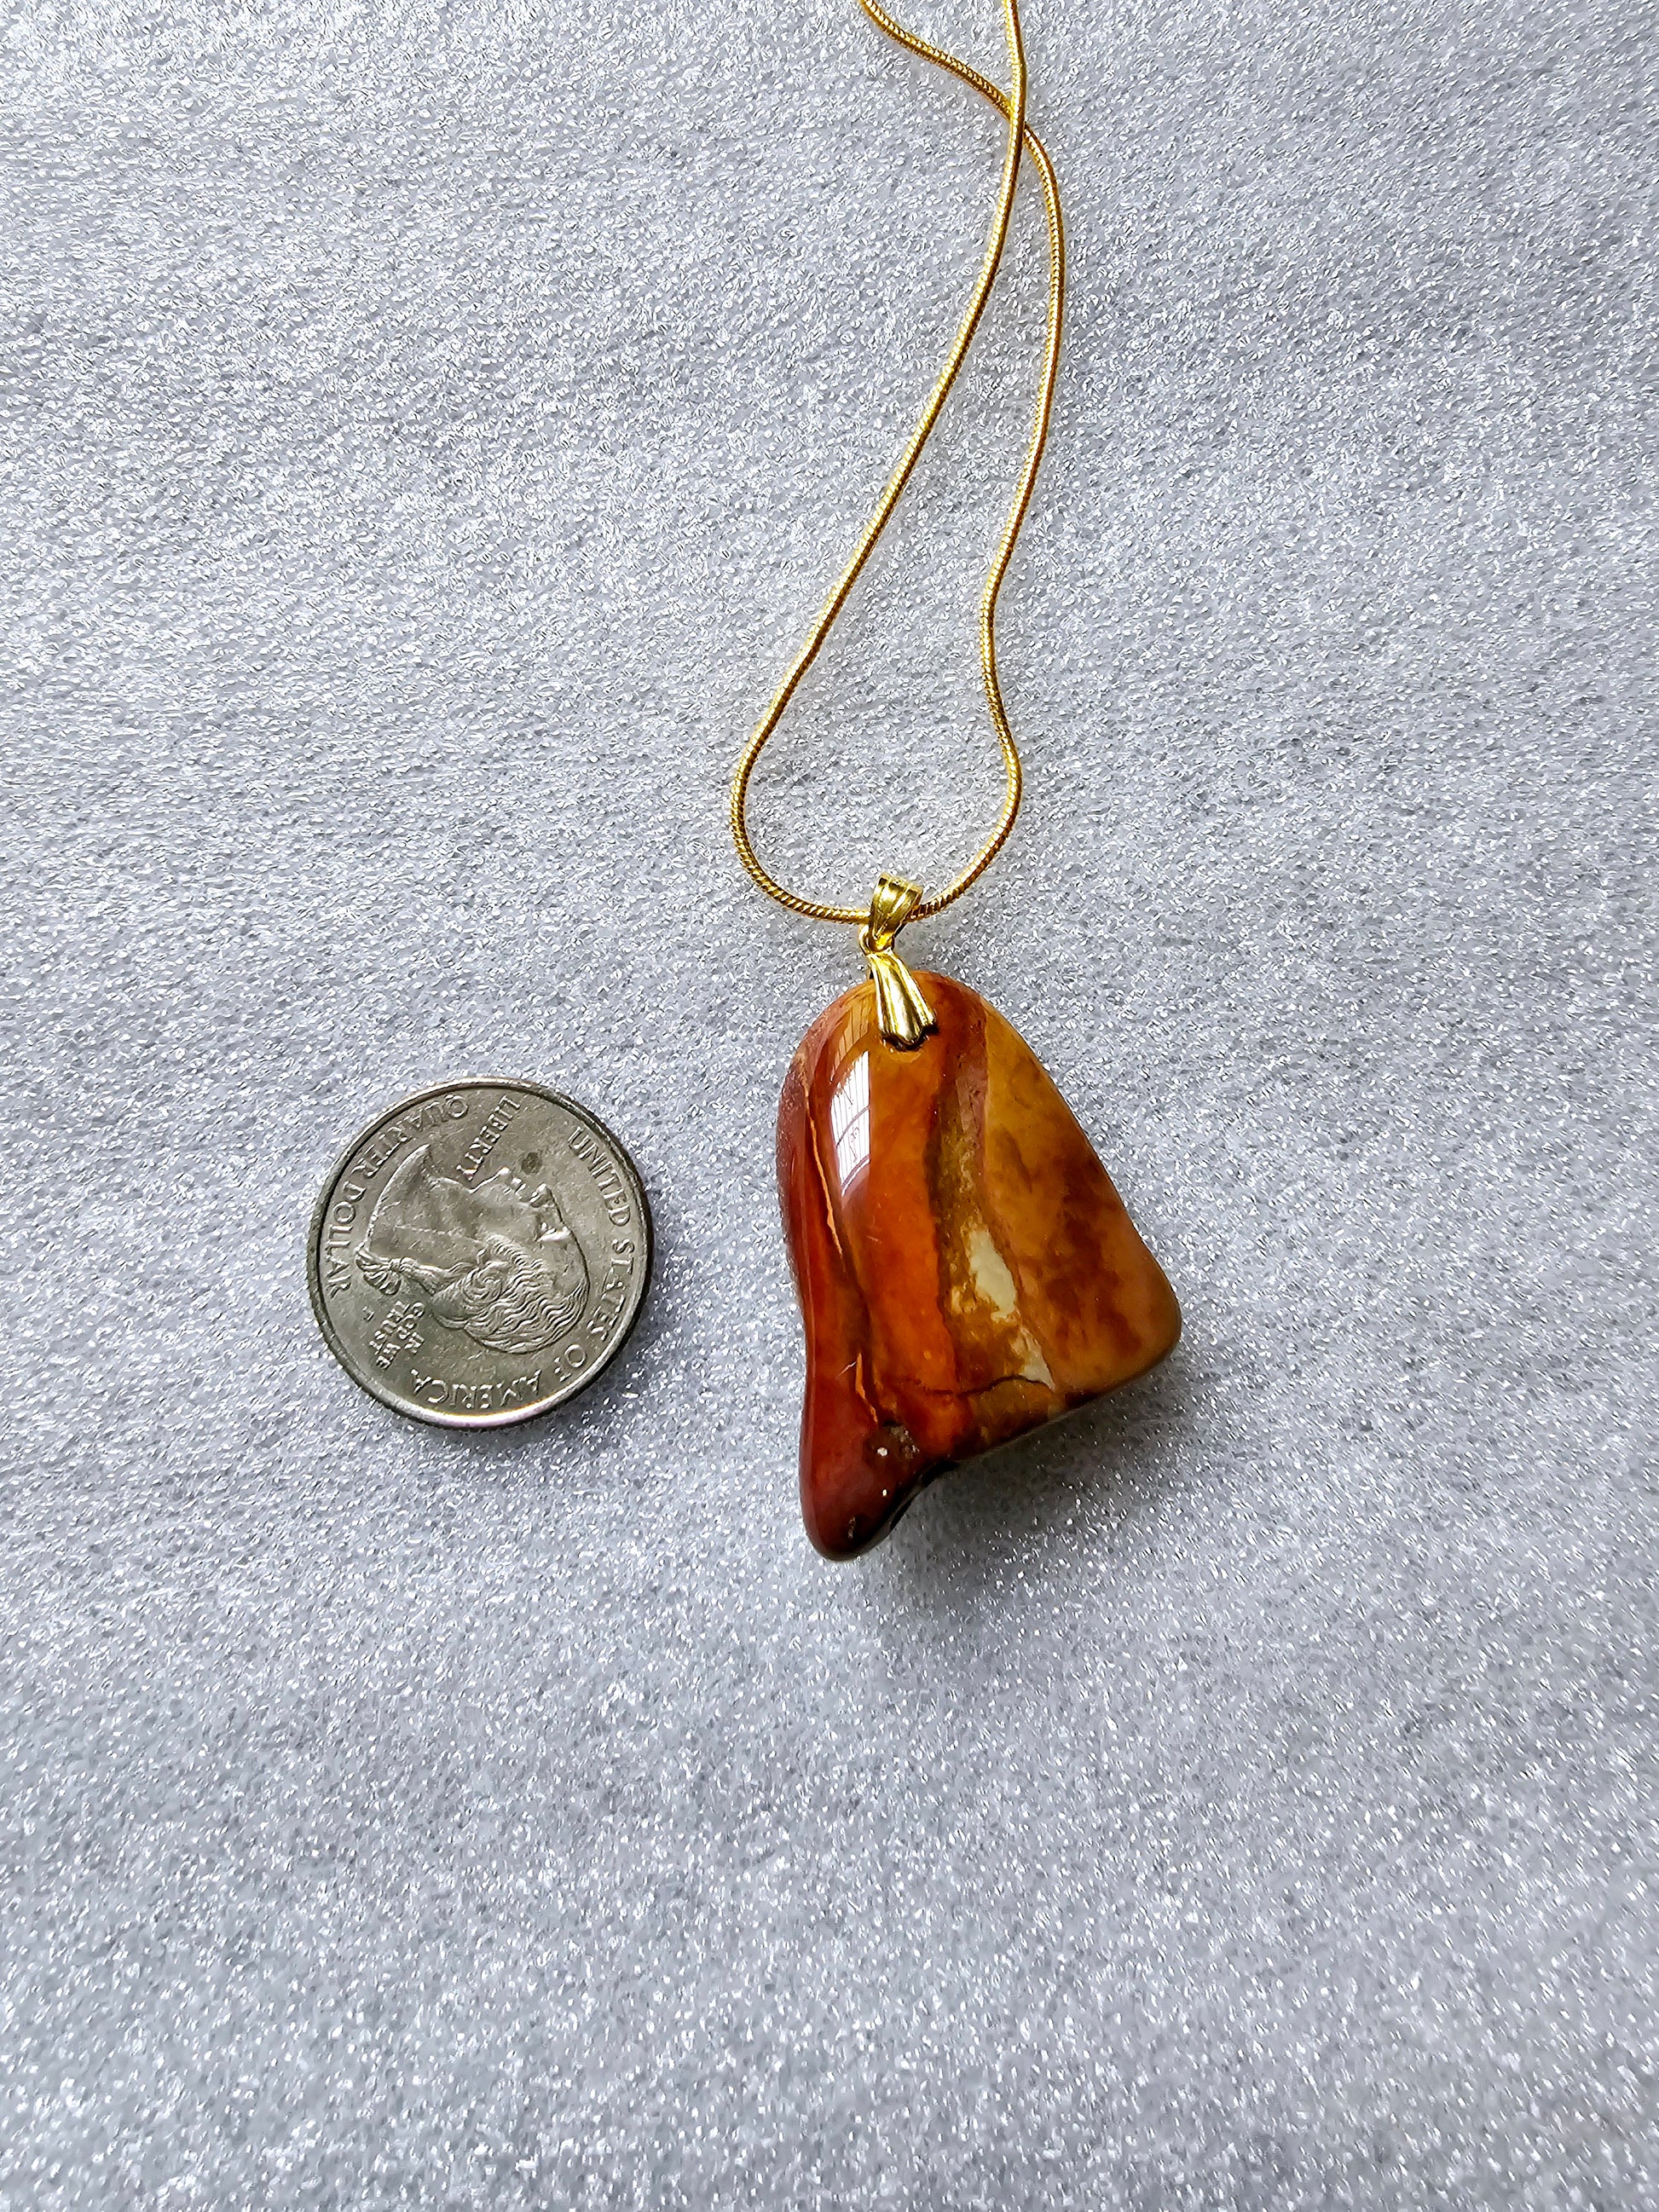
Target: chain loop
x,y
1021,137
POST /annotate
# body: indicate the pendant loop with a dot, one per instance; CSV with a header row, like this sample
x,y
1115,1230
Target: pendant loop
x,y
904,1016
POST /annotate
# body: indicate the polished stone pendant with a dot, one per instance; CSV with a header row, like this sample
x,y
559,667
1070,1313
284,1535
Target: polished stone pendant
x,y
966,1270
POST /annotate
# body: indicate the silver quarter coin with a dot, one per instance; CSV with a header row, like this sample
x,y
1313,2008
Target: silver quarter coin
x,y
480,1252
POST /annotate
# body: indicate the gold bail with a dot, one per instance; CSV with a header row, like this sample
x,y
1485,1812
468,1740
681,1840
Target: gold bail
x,y
904,1015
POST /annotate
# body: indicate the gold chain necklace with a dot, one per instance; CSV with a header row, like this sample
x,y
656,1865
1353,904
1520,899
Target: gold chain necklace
x,y
1013,106
966,1270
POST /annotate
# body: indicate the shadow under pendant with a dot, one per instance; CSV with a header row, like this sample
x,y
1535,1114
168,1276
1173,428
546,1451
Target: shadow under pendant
x,y
965,1268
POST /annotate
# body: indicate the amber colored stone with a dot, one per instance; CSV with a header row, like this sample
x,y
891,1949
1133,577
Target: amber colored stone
x,y
966,1270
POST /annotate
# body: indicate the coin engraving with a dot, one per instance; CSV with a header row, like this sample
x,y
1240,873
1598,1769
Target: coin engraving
x,y
480,1252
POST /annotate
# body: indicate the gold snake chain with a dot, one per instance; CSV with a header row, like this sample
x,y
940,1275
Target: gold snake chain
x,y
1012,106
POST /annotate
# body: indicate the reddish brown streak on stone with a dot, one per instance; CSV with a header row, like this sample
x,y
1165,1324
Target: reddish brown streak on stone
x,y
966,1270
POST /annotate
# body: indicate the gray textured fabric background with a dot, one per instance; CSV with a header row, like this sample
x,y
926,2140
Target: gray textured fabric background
x,y
428,429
